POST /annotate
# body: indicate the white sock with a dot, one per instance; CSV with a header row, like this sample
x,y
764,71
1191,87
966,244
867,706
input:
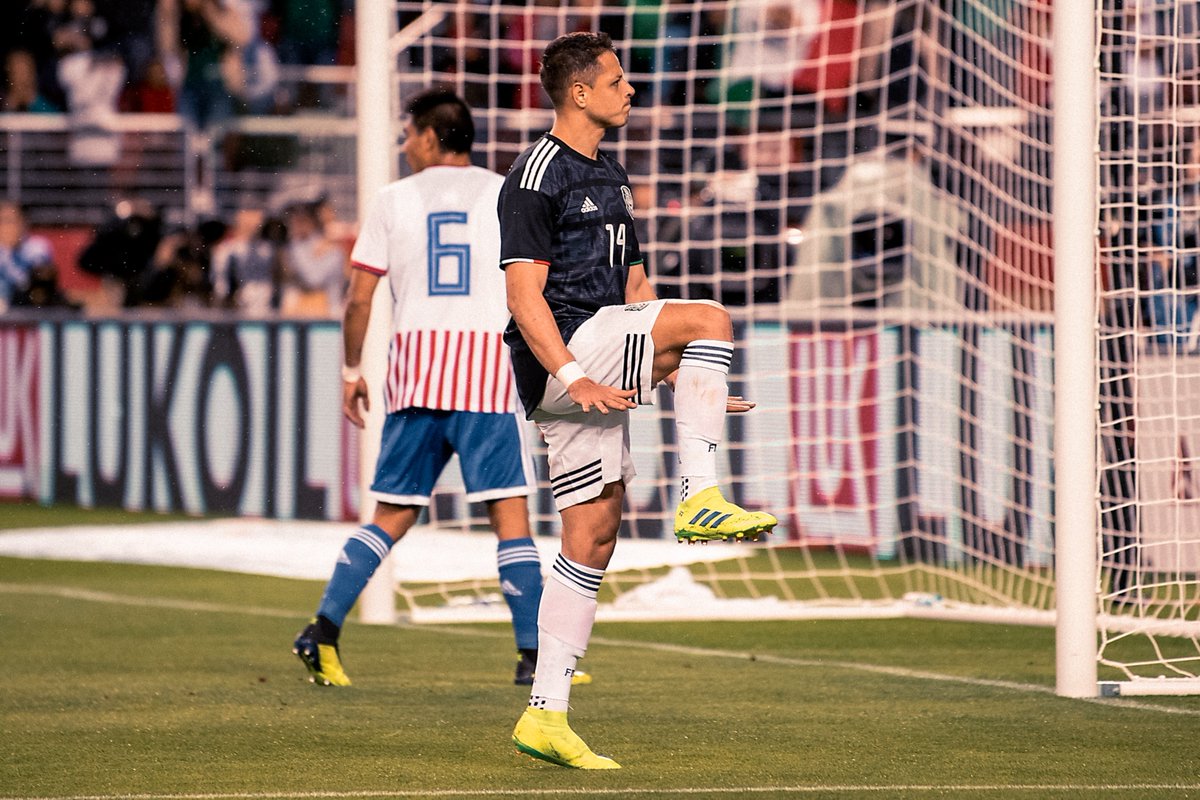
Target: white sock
x,y
701,390
565,619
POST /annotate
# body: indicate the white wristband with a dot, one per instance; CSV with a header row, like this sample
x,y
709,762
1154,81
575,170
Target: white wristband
x,y
569,372
350,374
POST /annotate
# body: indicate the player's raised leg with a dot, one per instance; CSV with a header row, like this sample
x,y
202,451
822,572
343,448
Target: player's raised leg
x,y
696,339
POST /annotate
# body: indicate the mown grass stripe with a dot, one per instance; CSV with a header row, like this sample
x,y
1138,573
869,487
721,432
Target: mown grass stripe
x,y
89,595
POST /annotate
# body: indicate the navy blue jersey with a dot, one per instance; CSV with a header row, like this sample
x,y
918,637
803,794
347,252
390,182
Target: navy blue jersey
x,y
575,215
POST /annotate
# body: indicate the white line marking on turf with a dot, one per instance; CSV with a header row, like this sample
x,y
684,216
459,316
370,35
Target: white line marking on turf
x,y
663,792
72,593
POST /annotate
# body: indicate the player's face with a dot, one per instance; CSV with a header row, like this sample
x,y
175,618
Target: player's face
x,y
609,98
420,147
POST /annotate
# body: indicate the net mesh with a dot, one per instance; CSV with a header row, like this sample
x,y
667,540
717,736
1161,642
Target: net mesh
x,y
1149,182
866,186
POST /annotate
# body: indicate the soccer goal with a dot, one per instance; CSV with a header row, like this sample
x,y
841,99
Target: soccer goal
x,y
886,196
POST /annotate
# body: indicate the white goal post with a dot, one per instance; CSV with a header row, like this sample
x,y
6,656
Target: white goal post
x,y
1075,510
959,239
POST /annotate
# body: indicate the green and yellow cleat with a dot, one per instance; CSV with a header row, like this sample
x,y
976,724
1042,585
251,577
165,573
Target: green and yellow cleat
x,y
707,516
546,735
321,659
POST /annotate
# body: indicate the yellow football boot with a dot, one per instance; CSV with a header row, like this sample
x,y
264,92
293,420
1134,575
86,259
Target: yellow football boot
x,y
546,735
707,515
321,659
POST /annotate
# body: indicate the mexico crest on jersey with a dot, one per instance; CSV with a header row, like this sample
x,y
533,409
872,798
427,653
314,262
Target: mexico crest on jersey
x,y
628,195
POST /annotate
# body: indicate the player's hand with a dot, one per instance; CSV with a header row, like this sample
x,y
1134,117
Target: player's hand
x,y
589,394
354,398
738,405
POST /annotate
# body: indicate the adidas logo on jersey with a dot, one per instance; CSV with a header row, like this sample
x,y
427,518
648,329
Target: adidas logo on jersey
x,y
588,205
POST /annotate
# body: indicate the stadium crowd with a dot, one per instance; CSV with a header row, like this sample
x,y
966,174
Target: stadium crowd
x,y
292,262
205,59
210,59
726,221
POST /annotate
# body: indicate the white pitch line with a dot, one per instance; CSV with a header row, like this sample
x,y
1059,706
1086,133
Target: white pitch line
x,y
90,595
682,791
73,593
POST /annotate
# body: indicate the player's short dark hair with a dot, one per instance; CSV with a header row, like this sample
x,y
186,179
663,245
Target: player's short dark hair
x,y
570,58
448,115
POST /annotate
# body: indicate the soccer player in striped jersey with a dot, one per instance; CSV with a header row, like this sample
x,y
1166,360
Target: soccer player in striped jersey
x,y
448,388
590,340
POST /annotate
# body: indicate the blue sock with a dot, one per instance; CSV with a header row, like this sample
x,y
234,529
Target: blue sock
x,y
521,582
360,557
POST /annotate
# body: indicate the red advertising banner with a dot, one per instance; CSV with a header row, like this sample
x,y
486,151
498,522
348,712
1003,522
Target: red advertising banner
x,y
835,418
20,429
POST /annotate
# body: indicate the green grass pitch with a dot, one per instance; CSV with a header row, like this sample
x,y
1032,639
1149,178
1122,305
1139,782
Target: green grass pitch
x,y
150,682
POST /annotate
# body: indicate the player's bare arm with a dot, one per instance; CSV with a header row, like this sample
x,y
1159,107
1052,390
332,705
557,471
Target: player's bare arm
x,y
355,399
638,288
524,282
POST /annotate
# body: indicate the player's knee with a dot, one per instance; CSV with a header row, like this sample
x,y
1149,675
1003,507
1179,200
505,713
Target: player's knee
x,y
686,321
711,321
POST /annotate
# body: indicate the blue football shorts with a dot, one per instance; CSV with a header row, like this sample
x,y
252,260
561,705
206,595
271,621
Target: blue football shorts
x,y
417,444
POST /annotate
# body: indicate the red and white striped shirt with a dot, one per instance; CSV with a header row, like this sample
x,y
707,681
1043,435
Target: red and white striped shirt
x,y
450,371
435,235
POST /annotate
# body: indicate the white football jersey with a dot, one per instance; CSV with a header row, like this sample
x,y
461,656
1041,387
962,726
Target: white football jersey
x,y
435,236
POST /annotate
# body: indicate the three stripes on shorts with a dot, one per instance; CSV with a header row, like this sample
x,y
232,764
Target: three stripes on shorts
x,y
631,364
576,479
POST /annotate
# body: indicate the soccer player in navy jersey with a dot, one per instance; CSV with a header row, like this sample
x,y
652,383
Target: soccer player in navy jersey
x,y
448,388
589,341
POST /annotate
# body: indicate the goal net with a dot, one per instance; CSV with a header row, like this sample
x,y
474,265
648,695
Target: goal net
x,y
1149,359
866,186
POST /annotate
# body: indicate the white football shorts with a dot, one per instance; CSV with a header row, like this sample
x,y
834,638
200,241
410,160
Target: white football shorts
x,y
588,450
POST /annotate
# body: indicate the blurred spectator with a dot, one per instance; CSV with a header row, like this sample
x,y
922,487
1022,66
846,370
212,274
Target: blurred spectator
x,y
21,93
314,265
260,75
727,235
122,249
79,26
245,265
152,94
308,34
179,272
132,26
673,42
680,232
1168,236
200,43
37,32
93,80
14,14
525,30
24,259
468,53
770,42
91,75
308,30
